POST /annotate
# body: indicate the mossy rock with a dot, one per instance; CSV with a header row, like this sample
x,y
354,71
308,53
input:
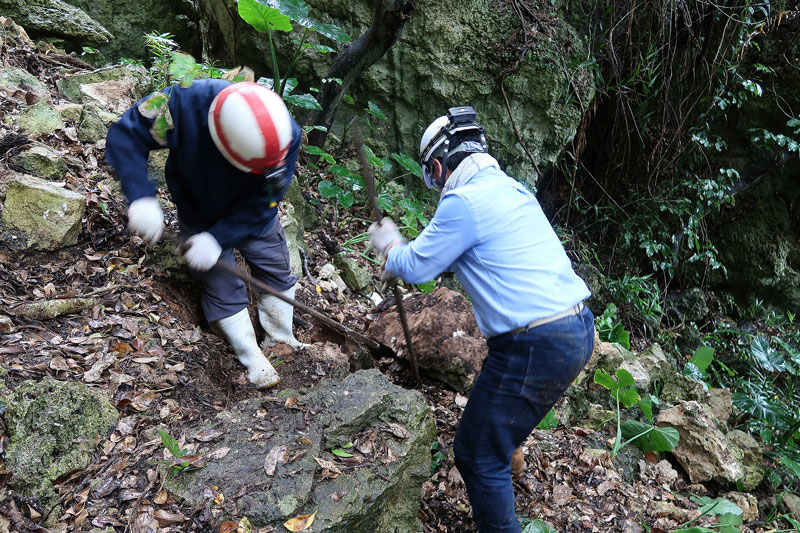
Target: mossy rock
x,y
53,427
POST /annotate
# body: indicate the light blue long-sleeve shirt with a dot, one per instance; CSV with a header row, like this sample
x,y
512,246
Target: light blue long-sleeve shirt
x,y
493,234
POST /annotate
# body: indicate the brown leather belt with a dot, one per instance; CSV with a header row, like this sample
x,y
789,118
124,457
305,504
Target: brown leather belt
x,y
575,310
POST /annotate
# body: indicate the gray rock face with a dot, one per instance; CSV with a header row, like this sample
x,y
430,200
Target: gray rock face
x,y
53,428
41,216
442,60
40,119
703,450
294,238
16,81
354,276
91,128
41,161
391,430
137,82
54,18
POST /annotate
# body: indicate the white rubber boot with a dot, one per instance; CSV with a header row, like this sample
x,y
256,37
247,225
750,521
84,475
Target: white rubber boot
x,y
238,329
275,316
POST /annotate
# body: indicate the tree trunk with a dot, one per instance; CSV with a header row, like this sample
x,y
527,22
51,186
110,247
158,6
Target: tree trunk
x,y
388,20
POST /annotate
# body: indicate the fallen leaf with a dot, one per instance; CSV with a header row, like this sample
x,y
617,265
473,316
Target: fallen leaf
x,y
160,497
219,453
207,435
167,518
59,363
300,523
228,527
399,430
328,465
461,401
278,454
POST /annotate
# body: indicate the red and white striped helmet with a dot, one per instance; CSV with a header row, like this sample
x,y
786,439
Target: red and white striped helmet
x,y
250,126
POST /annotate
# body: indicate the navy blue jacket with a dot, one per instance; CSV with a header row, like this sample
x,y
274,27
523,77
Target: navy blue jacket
x,y
210,194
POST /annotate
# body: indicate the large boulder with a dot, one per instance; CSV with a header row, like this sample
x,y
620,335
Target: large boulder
x,y
53,428
134,82
446,340
55,18
280,459
40,119
18,82
40,215
129,22
41,160
703,450
439,62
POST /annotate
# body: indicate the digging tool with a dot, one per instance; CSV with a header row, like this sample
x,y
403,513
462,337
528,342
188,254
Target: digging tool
x,y
398,297
377,348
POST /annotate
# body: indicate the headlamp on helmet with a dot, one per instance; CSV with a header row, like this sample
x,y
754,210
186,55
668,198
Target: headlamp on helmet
x,y
436,140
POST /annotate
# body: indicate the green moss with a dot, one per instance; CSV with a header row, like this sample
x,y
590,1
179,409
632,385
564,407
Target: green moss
x,y
53,428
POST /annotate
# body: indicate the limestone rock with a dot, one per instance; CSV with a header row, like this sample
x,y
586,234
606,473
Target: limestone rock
x,y
749,454
447,342
354,276
114,96
54,427
70,112
19,83
303,211
746,502
41,161
391,429
51,18
294,237
40,215
91,128
703,450
792,504
70,86
719,402
39,119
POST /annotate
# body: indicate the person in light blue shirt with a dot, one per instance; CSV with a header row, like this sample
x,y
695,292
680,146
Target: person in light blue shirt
x,y
527,300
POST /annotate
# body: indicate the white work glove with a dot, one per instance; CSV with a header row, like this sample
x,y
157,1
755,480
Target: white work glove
x,y
383,235
201,251
145,219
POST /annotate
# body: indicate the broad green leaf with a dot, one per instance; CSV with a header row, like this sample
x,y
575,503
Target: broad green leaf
x,y
604,379
716,506
327,189
656,440
304,101
340,171
793,466
372,159
375,111
549,421
348,99
695,529
263,16
766,356
646,405
183,68
628,397
355,182
624,378
702,357
330,31
171,444
315,150
427,287
341,453
294,9
409,164
345,199
316,47
538,526
760,405
385,202
728,523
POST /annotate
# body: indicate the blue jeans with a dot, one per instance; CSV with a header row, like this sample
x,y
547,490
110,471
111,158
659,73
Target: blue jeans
x,y
522,378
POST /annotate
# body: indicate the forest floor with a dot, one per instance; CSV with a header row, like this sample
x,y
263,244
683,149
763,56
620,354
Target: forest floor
x,y
193,375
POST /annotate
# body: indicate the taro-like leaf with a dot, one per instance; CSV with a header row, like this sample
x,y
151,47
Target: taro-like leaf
x,y
303,101
716,506
766,356
327,189
375,111
264,16
345,198
655,440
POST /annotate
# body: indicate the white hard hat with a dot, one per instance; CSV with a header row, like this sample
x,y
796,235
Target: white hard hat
x,y
250,126
439,132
